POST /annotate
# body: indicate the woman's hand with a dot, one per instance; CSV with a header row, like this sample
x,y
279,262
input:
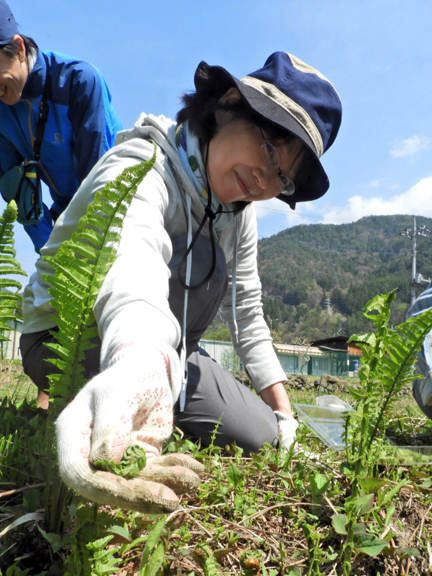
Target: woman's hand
x,y
129,404
287,428
277,398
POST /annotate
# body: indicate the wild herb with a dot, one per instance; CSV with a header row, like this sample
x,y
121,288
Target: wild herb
x,y
206,559
133,460
388,358
251,563
270,513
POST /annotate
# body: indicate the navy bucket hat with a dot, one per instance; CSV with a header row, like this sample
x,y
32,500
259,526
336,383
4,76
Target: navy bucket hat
x,y
8,25
296,97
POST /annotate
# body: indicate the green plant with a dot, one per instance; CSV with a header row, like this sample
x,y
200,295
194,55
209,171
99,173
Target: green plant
x,y
206,559
89,542
10,302
270,513
80,266
22,435
388,357
154,550
316,555
133,460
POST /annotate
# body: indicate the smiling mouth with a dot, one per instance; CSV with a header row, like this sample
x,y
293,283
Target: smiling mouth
x,y
243,186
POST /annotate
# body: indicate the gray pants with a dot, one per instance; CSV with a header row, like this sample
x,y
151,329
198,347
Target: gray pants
x,y
213,394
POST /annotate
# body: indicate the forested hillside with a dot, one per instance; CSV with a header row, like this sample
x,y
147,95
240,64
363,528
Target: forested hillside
x,y
348,264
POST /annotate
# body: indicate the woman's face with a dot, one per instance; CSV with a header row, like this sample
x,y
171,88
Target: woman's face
x,y
236,169
13,74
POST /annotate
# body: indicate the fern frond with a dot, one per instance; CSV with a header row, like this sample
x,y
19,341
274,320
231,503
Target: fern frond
x,y
7,220
9,283
10,302
80,267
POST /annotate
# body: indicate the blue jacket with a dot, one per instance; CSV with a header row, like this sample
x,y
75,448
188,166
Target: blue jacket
x,y
81,127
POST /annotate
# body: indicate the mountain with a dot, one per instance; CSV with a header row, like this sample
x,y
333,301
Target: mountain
x,y
317,278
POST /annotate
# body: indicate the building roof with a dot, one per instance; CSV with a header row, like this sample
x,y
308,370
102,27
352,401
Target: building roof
x,y
293,349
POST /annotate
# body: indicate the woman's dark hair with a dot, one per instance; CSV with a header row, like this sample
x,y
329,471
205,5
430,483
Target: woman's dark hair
x,y
12,49
199,107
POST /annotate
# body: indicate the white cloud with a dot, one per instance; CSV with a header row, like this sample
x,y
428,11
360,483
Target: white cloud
x,y
409,147
417,200
375,183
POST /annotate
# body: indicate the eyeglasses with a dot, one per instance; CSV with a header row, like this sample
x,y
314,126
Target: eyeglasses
x,y
270,155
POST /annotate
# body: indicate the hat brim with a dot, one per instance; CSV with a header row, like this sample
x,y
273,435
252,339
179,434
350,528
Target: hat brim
x,y
316,183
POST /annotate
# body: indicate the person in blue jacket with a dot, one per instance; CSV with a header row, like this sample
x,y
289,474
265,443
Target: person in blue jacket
x,y
81,125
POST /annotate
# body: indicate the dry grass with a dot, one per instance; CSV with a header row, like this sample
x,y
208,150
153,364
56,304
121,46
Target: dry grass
x,y
14,383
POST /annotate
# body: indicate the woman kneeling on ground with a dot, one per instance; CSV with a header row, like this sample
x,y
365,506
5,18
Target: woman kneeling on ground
x,y
188,249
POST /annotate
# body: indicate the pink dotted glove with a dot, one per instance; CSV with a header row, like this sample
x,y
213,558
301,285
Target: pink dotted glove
x,y
128,404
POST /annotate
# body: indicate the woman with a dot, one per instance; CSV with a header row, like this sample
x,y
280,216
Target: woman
x,y
81,124
188,247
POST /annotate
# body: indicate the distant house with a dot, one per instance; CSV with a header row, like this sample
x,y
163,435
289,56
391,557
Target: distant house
x,y
334,357
338,343
302,359
345,356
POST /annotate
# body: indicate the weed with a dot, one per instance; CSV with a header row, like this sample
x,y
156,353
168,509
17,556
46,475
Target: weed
x,y
269,513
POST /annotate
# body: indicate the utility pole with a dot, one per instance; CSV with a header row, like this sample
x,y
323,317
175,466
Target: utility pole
x,y
416,279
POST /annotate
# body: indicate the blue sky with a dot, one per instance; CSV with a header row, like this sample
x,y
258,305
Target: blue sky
x,y
377,53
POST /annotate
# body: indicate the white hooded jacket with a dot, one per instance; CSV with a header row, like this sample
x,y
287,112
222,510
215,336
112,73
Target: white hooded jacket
x,y
132,306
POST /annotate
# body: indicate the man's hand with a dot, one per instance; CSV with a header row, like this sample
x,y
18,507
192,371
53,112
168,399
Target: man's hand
x,y
129,404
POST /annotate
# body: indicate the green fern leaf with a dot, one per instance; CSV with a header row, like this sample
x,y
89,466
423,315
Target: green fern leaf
x,y
80,267
9,301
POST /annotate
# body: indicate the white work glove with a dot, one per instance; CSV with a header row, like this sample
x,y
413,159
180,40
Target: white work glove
x,y
129,404
287,431
287,428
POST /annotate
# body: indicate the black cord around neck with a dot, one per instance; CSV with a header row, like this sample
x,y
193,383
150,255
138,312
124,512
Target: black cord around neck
x,y
211,216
